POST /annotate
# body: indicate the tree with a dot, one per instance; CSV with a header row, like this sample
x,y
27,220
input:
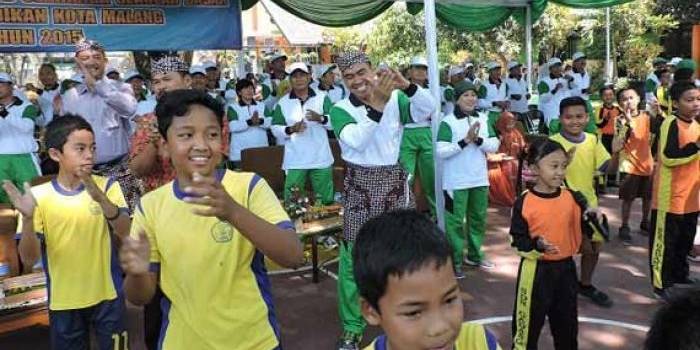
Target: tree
x,y
682,10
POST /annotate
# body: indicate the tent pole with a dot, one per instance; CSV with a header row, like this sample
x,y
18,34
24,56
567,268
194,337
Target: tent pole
x,y
528,43
608,63
434,79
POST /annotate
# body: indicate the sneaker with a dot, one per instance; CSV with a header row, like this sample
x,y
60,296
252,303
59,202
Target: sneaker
x,y
694,258
624,234
661,295
597,297
349,341
459,274
644,228
484,264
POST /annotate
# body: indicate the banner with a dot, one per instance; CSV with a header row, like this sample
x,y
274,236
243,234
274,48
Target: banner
x,y
119,25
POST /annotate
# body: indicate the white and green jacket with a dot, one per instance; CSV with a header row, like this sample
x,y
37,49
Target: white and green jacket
x,y
490,92
335,93
309,149
515,87
549,100
447,99
650,85
372,138
17,128
464,164
244,134
581,84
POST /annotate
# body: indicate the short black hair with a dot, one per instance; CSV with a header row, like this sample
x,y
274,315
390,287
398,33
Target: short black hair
x,y
49,66
683,74
177,103
679,88
675,325
242,84
620,91
58,130
541,148
605,88
393,244
570,102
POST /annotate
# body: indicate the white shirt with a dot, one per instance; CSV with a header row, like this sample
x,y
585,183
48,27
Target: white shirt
x,y
308,149
517,87
17,128
490,92
371,138
581,82
335,93
464,167
243,135
549,103
109,110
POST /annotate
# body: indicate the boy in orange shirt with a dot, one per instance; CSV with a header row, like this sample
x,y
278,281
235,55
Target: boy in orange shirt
x,y
676,200
636,163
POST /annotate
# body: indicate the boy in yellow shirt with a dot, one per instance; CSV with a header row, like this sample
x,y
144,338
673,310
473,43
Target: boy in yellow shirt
x,y
407,285
203,237
76,221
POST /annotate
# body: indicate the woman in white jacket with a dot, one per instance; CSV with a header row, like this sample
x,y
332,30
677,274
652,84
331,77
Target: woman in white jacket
x,y
248,122
463,141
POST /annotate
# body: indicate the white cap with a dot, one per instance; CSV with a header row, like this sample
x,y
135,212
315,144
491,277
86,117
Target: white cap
x,y
325,68
111,69
277,55
5,78
77,77
513,64
208,65
455,70
297,66
132,74
468,65
419,61
578,55
675,61
197,70
492,65
553,61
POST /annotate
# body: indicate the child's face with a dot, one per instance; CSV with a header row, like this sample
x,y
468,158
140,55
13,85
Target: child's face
x,y
608,96
78,154
421,310
689,104
193,142
467,101
574,119
551,169
629,100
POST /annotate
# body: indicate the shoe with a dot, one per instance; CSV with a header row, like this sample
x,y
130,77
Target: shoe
x,y
349,341
624,234
484,264
459,274
644,228
597,297
661,295
694,258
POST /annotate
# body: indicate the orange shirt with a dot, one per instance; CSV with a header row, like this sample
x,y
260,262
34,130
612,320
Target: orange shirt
x,y
677,180
555,217
636,157
606,119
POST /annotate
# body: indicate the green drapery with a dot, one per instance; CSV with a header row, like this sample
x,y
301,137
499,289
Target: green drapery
x,y
342,13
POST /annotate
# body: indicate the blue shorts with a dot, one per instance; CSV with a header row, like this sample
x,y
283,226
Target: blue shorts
x,y
70,329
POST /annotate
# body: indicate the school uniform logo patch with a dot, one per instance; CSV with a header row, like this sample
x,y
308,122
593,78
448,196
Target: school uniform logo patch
x,y
222,232
95,209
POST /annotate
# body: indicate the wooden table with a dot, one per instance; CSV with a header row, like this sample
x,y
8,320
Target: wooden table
x,y
315,229
26,309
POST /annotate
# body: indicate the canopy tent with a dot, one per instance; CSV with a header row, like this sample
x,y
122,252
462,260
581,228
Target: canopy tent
x,y
478,15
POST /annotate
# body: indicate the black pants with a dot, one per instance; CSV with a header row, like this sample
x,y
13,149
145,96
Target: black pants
x,y
669,261
153,319
546,289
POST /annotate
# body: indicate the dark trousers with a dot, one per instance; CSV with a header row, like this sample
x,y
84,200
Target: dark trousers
x,y
70,329
669,246
546,289
153,319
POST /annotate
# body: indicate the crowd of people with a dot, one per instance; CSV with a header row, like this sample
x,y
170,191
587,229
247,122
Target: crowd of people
x,y
147,202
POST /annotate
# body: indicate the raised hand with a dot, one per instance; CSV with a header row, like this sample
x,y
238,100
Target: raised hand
x,y
473,132
210,193
88,78
400,82
134,255
85,175
25,203
384,86
313,116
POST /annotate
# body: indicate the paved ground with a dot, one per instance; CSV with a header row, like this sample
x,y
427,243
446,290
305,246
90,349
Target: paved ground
x,y
309,319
